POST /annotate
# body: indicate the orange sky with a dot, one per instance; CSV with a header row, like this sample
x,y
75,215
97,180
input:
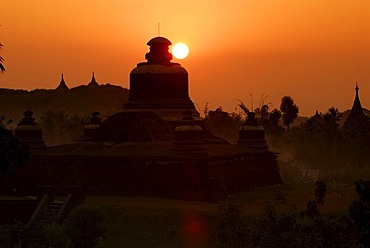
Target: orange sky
x,y
312,50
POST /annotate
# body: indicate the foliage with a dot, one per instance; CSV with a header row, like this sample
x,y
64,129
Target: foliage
x,y
84,227
360,211
231,229
279,198
56,237
313,207
320,190
289,110
293,176
322,144
274,117
13,153
2,68
288,229
223,124
81,100
243,107
5,233
59,127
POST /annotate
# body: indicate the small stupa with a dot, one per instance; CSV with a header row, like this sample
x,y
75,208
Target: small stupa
x,y
92,126
93,81
188,137
356,107
29,132
62,85
252,134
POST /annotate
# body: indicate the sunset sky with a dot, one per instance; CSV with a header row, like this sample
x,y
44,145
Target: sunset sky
x,y
311,50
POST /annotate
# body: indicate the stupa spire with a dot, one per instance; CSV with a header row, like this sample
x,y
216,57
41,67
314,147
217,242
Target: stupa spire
x,y
357,108
62,85
93,81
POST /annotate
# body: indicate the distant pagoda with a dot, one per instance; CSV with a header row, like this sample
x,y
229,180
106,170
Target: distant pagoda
x,y
62,85
93,81
357,117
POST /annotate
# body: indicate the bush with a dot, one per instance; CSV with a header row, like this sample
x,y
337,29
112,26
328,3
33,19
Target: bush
x,y
231,229
293,176
84,227
360,211
288,229
55,236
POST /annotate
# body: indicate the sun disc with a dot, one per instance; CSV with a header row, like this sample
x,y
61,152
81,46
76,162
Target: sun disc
x,y
180,50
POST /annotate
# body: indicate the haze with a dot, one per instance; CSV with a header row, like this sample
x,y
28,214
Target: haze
x,y
311,50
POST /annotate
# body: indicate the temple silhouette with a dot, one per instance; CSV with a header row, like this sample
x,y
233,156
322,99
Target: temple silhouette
x,y
356,117
157,145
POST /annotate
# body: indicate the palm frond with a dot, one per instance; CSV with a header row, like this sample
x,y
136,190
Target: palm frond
x,y
2,68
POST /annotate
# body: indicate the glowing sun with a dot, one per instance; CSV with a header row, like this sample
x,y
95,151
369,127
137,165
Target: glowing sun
x,y
180,50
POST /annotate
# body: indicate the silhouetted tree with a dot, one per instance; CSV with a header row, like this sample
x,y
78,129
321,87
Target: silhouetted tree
x,y
264,115
223,124
13,153
59,127
243,107
274,117
332,128
331,119
2,68
289,110
356,134
360,211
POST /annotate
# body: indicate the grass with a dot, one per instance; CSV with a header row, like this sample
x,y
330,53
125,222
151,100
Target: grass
x,y
156,222
159,222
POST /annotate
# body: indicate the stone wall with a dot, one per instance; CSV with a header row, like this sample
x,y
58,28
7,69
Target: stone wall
x,y
190,178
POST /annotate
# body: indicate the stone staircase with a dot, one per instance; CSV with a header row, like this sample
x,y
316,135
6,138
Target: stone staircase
x,y
48,212
37,237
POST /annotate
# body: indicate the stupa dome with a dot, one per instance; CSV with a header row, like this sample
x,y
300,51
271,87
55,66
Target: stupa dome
x,y
159,40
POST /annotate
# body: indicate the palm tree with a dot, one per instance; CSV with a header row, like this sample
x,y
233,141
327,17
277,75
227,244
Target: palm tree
x,y
2,68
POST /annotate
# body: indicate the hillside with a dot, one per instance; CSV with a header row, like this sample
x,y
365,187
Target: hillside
x,y
81,100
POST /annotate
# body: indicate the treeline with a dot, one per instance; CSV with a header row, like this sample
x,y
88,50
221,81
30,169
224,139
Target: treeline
x,y
338,149
81,100
61,113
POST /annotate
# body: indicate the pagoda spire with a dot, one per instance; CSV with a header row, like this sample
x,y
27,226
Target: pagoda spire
x,y
93,81
62,85
357,108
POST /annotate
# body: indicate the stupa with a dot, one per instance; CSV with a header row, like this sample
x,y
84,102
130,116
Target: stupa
x,y
62,85
93,81
159,85
357,114
29,132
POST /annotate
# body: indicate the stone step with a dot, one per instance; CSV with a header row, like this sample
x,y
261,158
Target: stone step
x,y
53,206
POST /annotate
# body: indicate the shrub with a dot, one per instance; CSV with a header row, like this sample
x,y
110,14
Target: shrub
x,y
307,229
84,227
360,211
231,229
